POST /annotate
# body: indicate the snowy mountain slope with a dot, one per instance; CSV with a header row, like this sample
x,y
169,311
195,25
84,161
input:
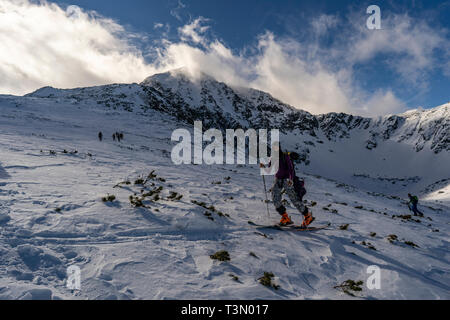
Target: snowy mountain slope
x,y
52,215
393,154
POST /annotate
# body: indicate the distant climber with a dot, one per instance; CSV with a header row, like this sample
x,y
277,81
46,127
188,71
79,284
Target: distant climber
x,y
286,179
100,136
119,136
412,204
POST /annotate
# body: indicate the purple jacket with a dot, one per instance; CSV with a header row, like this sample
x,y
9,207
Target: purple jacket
x,y
286,168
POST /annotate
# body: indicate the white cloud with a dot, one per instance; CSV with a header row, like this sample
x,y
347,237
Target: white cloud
x,y
382,103
277,67
323,23
194,31
410,43
308,86
41,44
177,11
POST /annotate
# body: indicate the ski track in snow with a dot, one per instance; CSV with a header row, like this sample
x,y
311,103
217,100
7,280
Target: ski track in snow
x,y
52,216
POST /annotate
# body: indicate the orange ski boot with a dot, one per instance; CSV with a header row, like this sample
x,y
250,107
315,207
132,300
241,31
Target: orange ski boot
x,y
285,220
307,220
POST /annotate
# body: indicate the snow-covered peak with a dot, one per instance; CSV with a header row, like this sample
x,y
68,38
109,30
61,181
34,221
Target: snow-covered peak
x,y
45,92
439,109
177,78
419,127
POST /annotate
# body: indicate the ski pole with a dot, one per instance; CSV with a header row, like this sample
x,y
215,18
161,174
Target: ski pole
x,y
267,200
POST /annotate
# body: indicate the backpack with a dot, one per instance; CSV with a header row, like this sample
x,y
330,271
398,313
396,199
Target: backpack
x,y
299,187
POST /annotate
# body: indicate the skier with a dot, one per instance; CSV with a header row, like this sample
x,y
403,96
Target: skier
x,y
100,136
114,136
118,136
412,204
121,136
286,179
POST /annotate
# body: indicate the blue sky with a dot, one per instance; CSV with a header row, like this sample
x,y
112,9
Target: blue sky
x,y
327,40
238,22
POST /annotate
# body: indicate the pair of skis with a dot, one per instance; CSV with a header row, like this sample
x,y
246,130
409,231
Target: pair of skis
x,y
291,227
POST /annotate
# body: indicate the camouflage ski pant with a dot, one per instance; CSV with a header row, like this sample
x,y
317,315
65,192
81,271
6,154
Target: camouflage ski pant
x,y
277,189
